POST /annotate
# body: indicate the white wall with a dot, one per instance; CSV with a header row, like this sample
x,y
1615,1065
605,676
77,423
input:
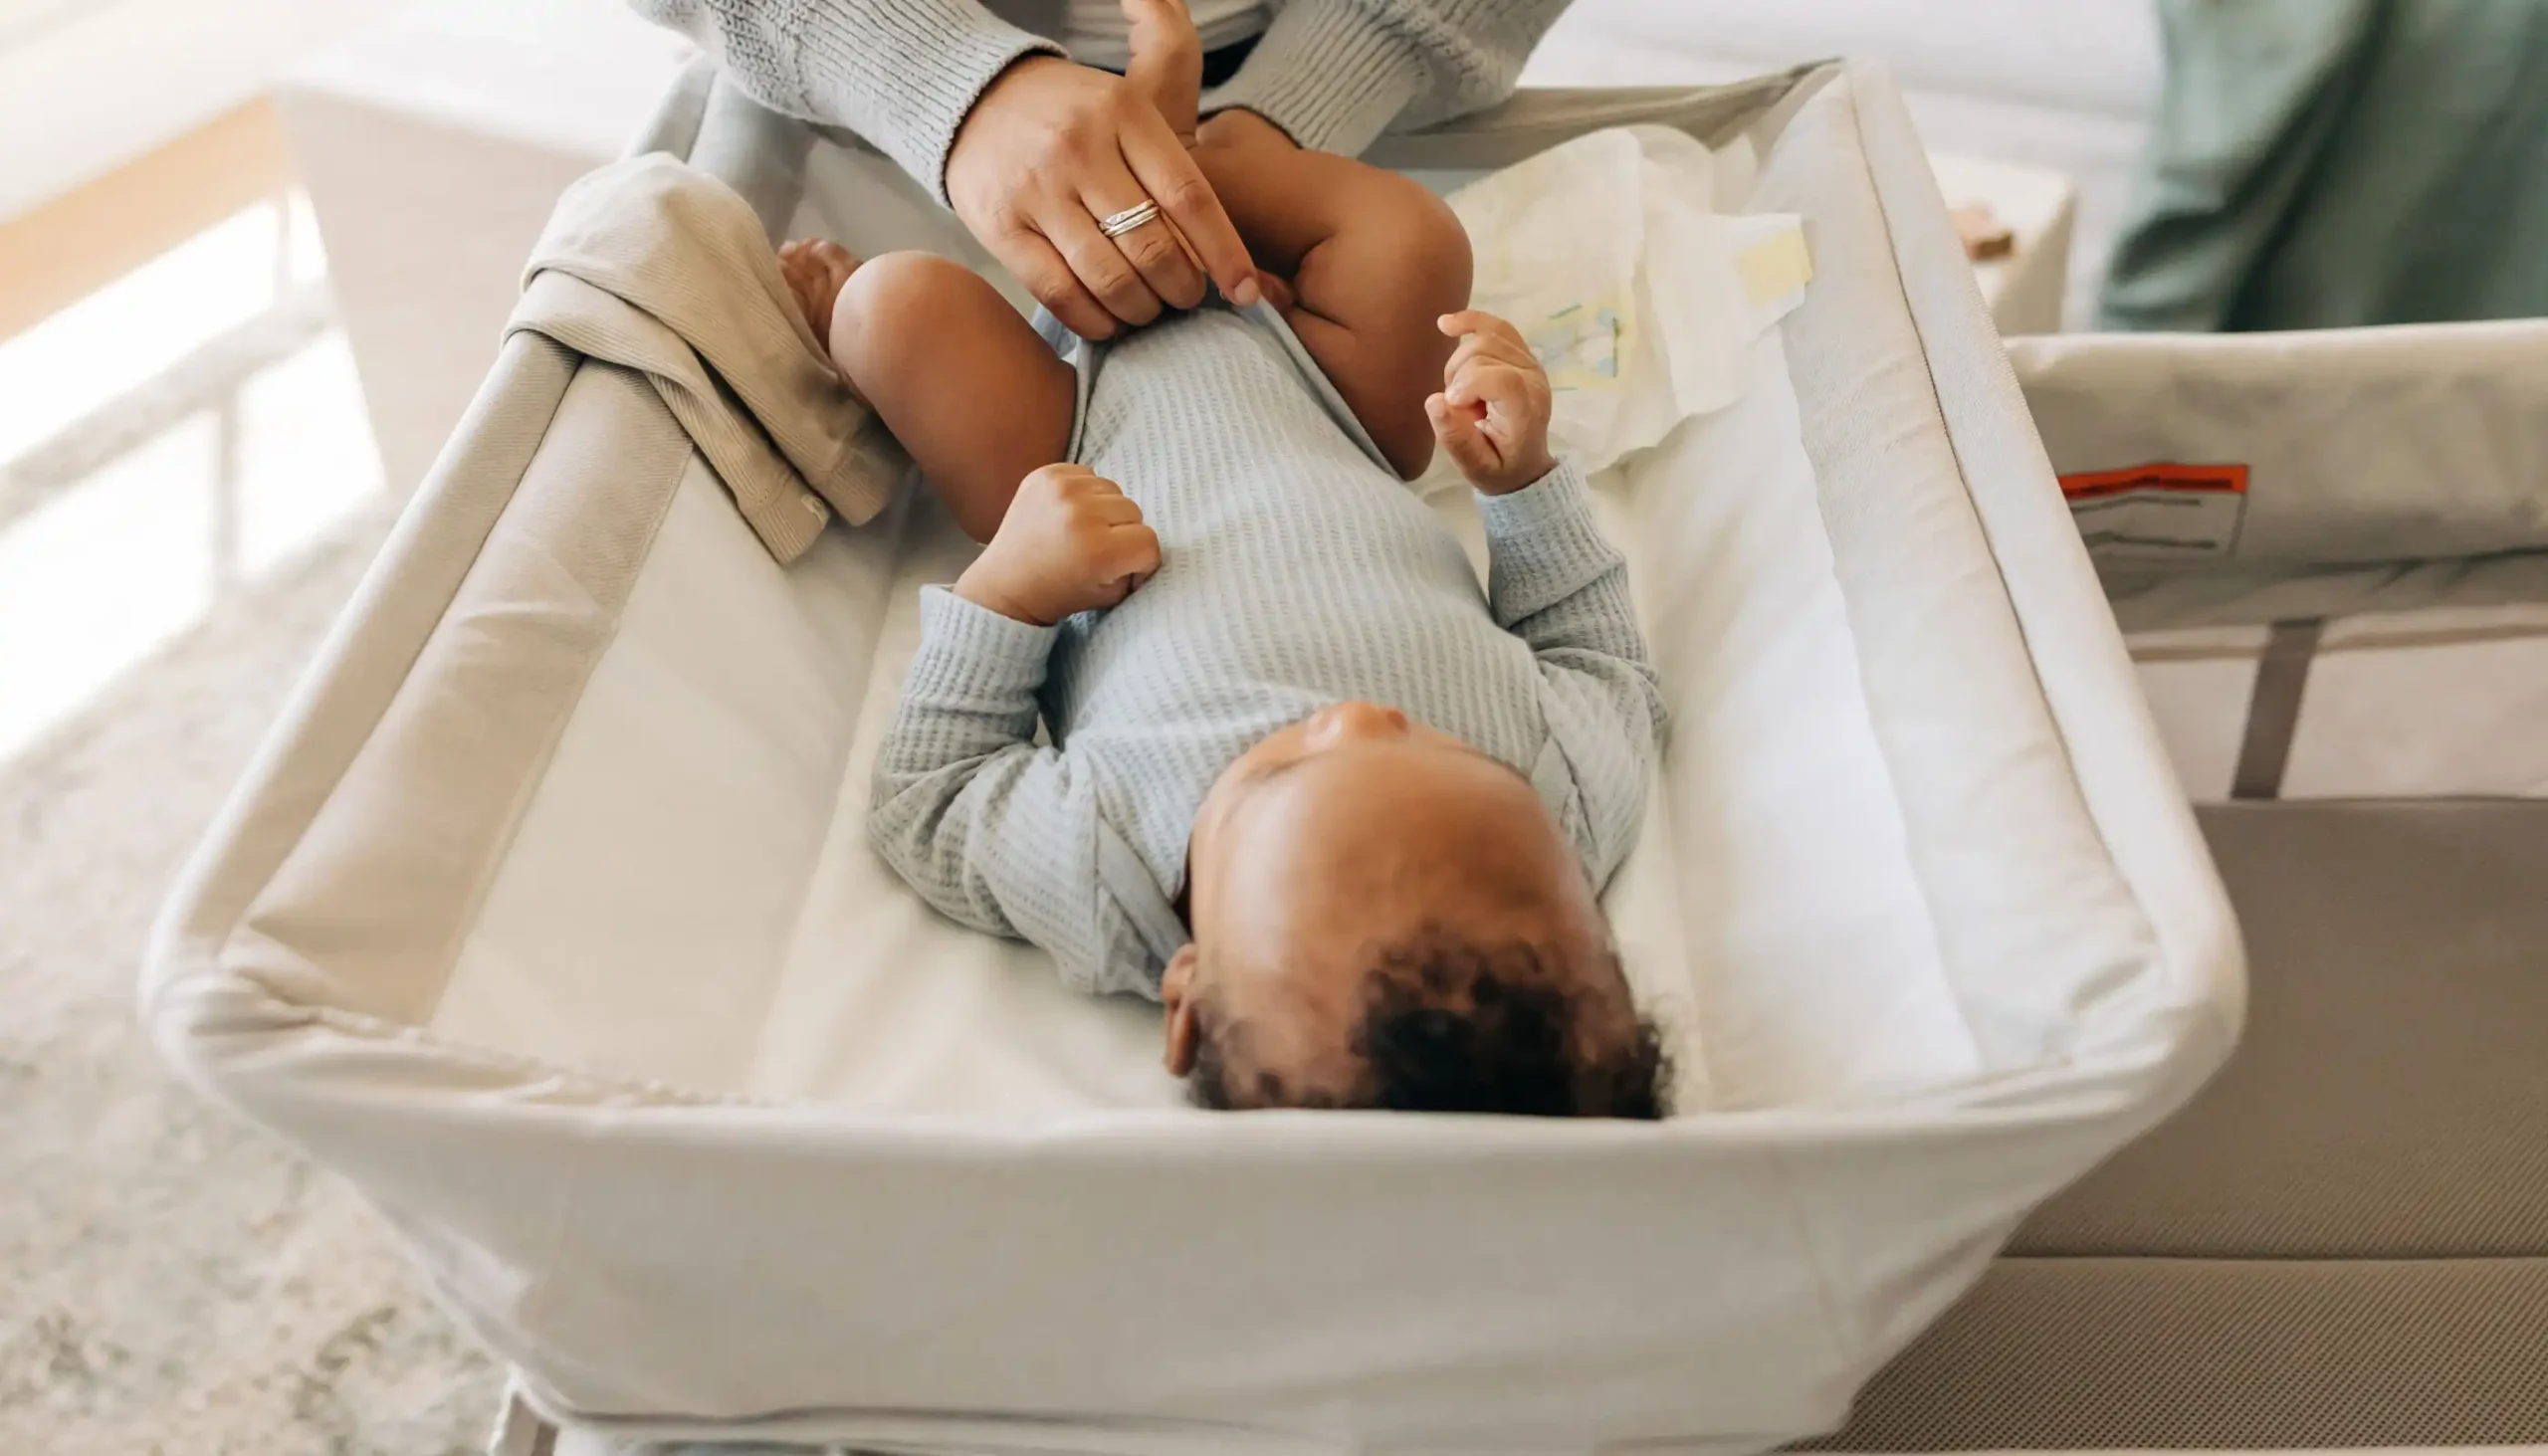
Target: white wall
x,y
2060,84
89,84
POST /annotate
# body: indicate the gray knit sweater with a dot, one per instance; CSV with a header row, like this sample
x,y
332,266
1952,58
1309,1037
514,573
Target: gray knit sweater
x,y
1296,571
903,72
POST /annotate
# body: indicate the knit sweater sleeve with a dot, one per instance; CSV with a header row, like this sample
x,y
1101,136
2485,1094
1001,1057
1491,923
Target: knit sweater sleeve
x,y
1335,74
905,73
902,74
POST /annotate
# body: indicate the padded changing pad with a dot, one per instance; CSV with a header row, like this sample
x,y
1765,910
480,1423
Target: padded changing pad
x,y
1776,793
548,918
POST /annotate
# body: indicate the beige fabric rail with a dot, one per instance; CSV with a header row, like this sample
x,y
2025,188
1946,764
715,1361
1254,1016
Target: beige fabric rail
x,y
2254,478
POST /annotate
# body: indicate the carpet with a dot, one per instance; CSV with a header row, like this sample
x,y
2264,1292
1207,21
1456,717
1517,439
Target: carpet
x,y
171,1280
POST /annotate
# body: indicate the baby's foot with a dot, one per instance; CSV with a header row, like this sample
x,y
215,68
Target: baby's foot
x,y
815,270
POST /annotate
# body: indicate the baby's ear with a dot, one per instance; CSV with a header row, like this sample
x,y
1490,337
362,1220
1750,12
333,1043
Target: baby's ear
x,y
1177,994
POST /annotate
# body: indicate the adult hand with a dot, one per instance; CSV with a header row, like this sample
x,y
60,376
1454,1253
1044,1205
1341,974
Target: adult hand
x,y
1051,147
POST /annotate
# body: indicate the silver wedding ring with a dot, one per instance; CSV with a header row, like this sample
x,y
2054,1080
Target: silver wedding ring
x,y
1116,225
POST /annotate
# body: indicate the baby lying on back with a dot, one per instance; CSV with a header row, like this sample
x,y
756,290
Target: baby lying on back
x,y
1341,811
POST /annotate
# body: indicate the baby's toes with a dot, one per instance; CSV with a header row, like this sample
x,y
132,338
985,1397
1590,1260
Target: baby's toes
x,y
813,300
834,262
791,264
816,269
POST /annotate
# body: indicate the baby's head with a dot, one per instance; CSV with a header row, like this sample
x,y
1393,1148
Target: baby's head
x,y
1386,917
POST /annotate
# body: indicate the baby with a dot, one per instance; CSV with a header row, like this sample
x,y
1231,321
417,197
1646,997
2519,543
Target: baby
x,y
1342,812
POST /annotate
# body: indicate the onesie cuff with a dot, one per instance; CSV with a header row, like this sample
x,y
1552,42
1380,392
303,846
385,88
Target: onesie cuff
x,y
1553,499
970,652
1542,544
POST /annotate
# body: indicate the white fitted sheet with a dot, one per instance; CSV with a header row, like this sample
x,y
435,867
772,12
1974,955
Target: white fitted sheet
x,y
632,871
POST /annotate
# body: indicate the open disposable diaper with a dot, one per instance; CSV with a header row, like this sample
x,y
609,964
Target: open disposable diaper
x,y
547,915
1625,259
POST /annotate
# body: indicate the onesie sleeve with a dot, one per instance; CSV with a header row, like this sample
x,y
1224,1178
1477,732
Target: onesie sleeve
x,y
995,830
1554,581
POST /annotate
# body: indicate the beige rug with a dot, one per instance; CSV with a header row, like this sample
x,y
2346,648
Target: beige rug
x,y
172,1281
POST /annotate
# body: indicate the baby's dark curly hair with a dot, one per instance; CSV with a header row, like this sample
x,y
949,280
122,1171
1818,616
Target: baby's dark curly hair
x,y
1449,1026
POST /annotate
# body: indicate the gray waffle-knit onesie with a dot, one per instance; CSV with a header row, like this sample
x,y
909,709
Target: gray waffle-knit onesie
x,y
1295,571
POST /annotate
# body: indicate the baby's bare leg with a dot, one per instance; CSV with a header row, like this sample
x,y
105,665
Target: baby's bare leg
x,y
965,384
1371,259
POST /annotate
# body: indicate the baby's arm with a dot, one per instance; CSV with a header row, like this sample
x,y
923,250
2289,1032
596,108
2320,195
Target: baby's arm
x,y
1361,262
992,830
960,786
1556,583
1371,260
996,832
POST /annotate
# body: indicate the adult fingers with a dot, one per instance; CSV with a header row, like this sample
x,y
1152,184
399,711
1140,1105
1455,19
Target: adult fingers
x,y
1166,64
1153,248
1169,175
1034,262
1100,267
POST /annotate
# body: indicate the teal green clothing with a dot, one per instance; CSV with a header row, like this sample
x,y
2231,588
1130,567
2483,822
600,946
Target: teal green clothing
x,y
2321,163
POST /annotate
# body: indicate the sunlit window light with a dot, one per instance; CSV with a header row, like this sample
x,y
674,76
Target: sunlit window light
x,y
108,559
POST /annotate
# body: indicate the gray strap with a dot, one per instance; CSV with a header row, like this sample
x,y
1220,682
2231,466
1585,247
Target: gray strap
x,y
755,150
675,124
520,1431
2274,708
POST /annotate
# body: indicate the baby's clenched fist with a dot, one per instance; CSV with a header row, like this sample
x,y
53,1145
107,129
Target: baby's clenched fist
x,y
1072,542
1492,415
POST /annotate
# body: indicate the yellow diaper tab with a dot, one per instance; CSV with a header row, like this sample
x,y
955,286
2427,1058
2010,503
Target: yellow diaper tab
x,y
1775,267
1625,260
